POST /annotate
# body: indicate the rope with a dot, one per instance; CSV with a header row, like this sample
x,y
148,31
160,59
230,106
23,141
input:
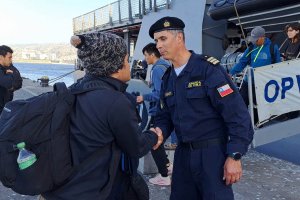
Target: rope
x,y
283,43
238,16
61,76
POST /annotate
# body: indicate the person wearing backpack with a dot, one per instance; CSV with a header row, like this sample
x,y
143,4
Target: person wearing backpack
x,y
152,57
10,78
262,52
103,119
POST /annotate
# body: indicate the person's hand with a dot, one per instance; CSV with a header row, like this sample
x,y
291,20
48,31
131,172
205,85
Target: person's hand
x,y
8,71
139,99
159,134
75,40
232,171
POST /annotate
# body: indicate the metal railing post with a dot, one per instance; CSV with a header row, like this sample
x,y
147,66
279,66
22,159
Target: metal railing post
x,y
168,4
140,10
119,9
82,24
150,4
250,94
251,104
130,11
155,6
110,16
143,7
94,15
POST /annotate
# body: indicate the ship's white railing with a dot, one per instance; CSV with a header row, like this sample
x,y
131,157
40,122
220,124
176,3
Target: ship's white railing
x,y
118,13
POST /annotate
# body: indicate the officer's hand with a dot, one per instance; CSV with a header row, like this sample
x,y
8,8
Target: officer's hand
x,y
159,135
139,99
232,171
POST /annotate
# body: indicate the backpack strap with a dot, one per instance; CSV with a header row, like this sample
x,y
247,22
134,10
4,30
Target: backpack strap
x,y
272,53
162,65
60,88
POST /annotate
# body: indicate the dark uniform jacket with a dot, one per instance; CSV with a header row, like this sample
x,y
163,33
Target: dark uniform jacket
x,y
192,103
101,117
9,82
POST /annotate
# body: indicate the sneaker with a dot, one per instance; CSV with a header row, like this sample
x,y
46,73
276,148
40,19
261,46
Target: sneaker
x,y
159,180
170,168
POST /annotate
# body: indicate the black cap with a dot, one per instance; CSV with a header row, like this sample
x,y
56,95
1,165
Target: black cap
x,y
166,23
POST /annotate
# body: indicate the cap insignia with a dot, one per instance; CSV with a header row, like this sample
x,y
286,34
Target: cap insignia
x,y
167,24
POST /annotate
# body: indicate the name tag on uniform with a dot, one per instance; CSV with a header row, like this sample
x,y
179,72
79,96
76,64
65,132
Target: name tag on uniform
x,y
225,90
194,84
168,94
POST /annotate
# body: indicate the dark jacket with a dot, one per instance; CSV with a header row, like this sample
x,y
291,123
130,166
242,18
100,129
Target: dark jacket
x,y
6,84
9,82
17,81
292,50
202,103
100,118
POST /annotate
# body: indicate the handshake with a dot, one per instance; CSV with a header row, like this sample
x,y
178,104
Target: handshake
x,y
160,136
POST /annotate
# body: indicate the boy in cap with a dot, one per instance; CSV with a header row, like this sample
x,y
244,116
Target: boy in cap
x,y
210,119
103,120
262,52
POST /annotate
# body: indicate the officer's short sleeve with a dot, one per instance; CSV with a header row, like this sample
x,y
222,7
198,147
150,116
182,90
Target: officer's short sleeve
x,y
226,99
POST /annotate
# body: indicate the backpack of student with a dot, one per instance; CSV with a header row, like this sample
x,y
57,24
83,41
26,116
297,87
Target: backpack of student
x,y
43,124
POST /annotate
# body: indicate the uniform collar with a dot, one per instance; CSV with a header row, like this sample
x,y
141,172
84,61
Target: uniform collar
x,y
109,81
189,66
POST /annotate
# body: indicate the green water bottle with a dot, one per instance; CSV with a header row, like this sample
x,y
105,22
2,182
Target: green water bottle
x,y
26,158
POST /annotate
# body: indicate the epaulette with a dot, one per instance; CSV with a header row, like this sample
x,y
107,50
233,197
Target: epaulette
x,y
166,72
211,59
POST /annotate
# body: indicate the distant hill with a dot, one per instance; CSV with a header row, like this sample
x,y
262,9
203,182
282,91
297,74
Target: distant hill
x,y
52,52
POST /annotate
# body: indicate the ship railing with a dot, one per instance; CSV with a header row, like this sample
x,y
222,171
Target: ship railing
x,y
117,14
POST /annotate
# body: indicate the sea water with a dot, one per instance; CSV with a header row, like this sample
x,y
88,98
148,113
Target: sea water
x,y
35,71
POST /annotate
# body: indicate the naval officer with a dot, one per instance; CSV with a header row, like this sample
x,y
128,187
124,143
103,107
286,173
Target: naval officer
x,y
211,120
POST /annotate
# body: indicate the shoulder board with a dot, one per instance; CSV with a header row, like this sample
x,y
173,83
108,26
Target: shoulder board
x,y
168,71
210,59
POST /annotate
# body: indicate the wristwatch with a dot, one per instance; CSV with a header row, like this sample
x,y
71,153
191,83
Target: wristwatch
x,y
235,156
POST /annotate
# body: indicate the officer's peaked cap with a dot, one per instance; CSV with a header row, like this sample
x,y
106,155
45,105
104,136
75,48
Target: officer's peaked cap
x,y
166,23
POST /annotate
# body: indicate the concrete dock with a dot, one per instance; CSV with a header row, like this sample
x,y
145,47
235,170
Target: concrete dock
x,y
264,177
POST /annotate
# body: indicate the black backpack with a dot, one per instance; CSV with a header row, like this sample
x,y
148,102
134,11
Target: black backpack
x,y
43,123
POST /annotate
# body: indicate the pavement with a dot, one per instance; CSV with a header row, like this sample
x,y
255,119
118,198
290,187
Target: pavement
x,y
264,177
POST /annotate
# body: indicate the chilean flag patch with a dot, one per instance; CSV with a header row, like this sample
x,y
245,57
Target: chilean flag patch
x,y
225,90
